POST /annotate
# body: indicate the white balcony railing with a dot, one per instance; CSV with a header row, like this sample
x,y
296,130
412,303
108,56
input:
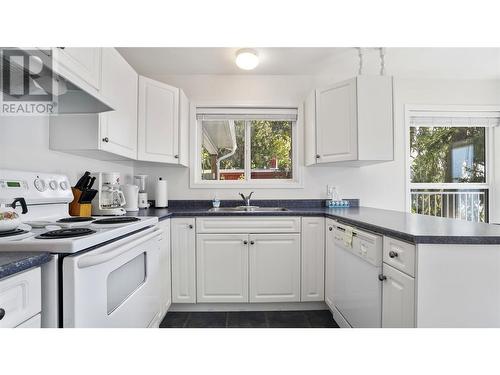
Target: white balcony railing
x,y
458,204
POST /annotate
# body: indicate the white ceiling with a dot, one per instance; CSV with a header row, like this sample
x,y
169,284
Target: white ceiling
x,y
157,62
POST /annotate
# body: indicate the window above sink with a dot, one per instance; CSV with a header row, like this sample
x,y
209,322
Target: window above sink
x,y
245,147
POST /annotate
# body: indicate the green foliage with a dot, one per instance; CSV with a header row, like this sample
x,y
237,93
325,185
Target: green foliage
x,y
431,154
271,139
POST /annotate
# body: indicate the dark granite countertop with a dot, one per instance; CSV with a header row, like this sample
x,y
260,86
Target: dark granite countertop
x,y
11,263
405,226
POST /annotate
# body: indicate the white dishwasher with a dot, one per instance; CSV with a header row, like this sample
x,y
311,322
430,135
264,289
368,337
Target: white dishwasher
x,y
357,288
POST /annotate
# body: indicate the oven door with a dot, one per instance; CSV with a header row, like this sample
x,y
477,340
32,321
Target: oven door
x,y
116,285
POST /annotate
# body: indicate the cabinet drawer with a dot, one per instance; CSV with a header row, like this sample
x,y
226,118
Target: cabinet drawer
x,y
20,297
400,255
248,225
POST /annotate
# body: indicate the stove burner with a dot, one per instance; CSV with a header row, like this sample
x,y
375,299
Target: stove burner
x,y
12,232
76,219
66,233
116,220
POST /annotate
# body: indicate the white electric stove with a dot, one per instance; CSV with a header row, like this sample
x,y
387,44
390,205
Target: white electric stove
x,y
104,270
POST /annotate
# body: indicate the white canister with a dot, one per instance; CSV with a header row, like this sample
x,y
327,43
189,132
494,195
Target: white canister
x,y
161,191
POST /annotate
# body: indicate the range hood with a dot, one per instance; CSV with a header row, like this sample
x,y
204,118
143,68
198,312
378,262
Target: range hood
x,y
69,98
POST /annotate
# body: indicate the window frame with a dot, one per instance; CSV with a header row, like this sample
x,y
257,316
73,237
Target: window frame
x,y
452,111
196,143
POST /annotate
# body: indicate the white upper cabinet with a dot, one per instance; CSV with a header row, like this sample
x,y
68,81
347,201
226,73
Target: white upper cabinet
x,y
119,85
83,62
106,136
313,259
162,123
350,122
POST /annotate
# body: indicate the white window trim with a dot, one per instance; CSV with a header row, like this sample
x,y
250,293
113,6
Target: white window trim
x,y
195,181
456,110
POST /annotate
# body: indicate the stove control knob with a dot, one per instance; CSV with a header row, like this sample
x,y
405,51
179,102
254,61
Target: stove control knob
x,y
63,185
40,185
53,185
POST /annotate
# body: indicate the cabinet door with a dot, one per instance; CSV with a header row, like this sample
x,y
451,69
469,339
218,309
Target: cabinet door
x,y
336,123
313,259
118,128
274,267
158,129
183,129
222,267
183,260
329,263
398,299
165,268
82,62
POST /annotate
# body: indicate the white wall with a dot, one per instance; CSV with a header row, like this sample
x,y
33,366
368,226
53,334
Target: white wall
x,y
380,185
24,145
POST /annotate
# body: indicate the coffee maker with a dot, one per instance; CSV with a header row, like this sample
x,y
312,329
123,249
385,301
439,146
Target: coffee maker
x,y
110,199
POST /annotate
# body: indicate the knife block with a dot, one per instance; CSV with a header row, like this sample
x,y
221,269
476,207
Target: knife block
x,y
79,209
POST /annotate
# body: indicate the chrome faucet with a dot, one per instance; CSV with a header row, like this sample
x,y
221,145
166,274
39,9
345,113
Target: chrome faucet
x,y
246,199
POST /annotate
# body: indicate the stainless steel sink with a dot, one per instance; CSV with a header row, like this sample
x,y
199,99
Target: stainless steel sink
x,y
249,209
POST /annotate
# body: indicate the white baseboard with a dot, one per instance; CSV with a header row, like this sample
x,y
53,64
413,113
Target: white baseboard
x,y
277,306
339,318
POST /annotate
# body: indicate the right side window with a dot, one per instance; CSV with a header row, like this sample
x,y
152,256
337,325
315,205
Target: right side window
x,y
448,167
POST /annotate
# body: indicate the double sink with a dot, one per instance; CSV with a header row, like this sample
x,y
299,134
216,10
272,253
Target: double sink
x,y
249,209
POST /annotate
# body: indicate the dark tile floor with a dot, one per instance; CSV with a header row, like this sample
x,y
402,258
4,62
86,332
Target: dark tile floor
x,y
250,319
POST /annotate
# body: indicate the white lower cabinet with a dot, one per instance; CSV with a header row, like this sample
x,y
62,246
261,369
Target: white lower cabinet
x,y
274,267
313,259
222,267
398,299
165,268
20,298
183,242
329,263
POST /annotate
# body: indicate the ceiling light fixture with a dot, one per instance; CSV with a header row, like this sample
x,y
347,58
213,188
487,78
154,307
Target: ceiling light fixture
x,y
247,59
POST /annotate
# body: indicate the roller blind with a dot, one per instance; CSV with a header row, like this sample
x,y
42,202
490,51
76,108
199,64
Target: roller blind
x,y
246,113
450,119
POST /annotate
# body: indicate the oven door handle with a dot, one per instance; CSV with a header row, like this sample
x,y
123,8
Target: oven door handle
x,y
111,251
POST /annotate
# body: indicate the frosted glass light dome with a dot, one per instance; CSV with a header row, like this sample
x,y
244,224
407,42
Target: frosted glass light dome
x,y
247,59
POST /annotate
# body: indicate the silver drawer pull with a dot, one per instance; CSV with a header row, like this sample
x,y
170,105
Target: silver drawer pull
x,y
2,313
382,277
393,254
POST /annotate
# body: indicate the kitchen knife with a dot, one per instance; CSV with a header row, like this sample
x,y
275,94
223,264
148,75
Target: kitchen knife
x,y
85,183
79,185
91,183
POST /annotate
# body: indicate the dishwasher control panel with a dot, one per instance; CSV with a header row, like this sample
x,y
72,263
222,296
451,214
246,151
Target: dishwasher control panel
x,y
364,244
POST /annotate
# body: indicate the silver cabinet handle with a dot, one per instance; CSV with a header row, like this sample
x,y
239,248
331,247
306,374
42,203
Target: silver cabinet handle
x,y
176,156
381,277
190,226
318,156
252,242
105,139
330,228
245,242
2,313
393,254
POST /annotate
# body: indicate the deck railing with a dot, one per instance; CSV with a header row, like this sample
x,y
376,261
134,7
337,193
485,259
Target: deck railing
x,y
471,205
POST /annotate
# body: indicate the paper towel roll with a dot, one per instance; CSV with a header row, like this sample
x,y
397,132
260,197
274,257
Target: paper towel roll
x,y
161,199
